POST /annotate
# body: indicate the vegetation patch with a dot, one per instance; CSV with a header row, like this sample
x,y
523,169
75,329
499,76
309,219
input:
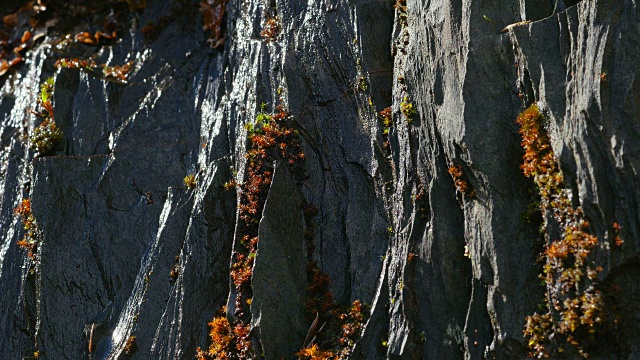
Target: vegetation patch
x,y
401,8
46,137
459,180
130,346
333,332
270,29
574,305
190,181
116,73
408,109
270,138
387,122
33,234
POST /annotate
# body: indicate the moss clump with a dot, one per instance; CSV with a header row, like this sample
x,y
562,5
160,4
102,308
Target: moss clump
x,y
270,29
131,346
462,186
407,109
190,181
45,138
33,235
222,339
574,306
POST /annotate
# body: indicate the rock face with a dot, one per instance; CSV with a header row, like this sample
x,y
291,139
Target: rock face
x,y
128,250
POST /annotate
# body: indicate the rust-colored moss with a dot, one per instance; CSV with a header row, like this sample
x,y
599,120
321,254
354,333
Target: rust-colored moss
x,y
222,339
574,305
462,186
270,29
270,139
32,235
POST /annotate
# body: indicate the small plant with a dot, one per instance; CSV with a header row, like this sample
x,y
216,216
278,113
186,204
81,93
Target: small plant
x,y
33,235
270,29
352,322
222,339
175,269
362,83
97,38
313,352
231,184
117,73
407,109
616,230
401,7
190,181
45,138
131,346
386,117
459,181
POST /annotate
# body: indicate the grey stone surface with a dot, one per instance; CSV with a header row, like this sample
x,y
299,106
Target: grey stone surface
x,y
184,109
279,282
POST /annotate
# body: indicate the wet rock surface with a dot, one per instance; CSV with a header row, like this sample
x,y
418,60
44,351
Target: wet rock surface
x,y
129,250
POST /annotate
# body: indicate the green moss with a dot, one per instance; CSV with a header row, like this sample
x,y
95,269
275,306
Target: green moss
x,y
45,138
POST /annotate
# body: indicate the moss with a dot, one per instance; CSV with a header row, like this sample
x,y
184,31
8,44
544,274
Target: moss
x,y
222,339
33,234
270,29
190,181
459,180
115,73
574,306
362,83
130,346
408,109
270,138
401,8
45,138
212,16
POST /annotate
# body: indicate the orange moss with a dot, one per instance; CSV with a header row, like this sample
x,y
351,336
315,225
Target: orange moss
x,y
33,235
461,184
340,329
313,352
222,339
116,73
97,38
270,29
574,305
131,346
616,230
352,322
